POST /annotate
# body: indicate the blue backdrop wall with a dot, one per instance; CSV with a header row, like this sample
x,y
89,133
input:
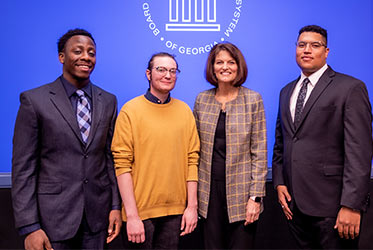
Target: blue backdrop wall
x,y
127,32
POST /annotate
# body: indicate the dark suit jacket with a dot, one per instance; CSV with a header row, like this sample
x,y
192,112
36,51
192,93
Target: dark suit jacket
x,y
326,161
55,176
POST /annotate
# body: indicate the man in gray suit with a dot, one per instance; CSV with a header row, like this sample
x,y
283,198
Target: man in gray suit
x,y
64,188
323,149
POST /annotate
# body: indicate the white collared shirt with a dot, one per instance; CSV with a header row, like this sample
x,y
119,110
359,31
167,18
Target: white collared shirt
x,y
314,78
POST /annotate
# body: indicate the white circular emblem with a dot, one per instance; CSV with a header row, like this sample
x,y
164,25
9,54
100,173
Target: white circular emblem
x,y
192,27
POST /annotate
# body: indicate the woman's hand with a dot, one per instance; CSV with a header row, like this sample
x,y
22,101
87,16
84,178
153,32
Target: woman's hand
x,y
252,212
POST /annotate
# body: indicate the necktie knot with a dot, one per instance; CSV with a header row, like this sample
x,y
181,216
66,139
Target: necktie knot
x,y
306,81
80,93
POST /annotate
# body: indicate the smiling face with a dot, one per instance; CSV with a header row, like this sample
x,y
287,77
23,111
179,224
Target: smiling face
x,y
161,83
225,68
311,59
78,59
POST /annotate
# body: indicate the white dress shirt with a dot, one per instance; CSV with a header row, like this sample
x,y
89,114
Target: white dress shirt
x,y
314,78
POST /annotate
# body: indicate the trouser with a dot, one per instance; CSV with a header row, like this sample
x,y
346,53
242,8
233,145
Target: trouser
x,y
84,238
218,232
312,232
160,233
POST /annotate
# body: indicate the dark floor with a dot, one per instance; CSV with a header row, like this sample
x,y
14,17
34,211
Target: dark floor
x,y
272,232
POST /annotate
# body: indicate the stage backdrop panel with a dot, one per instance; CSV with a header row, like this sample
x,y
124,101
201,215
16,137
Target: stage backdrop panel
x,y
128,32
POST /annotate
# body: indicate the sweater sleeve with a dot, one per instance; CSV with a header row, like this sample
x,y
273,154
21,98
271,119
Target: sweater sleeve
x,y
122,145
193,151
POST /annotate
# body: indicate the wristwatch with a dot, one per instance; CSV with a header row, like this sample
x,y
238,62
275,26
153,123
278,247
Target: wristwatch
x,y
256,198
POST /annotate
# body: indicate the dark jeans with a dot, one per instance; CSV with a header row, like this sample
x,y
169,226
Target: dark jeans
x,y
160,233
217,231
312,232
84,239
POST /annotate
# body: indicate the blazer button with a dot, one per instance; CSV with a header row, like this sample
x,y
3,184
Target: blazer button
x,y
295,139
85,181
85,156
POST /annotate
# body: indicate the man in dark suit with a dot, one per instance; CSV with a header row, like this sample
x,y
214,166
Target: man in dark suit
x,y
64,188
323,149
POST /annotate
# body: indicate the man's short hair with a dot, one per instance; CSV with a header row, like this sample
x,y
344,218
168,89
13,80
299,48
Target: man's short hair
x,y
235,54
316,29
73,32
160,54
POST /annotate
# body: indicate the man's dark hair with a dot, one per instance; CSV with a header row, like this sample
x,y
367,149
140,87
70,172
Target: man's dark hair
x,y
316,29
160,54
74,32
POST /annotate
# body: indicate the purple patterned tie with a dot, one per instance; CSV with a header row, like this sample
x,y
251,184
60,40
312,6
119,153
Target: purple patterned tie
x,y
300,102
83,113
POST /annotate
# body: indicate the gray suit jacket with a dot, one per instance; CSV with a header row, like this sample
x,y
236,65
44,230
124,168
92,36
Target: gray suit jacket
x,y
55,176
325,162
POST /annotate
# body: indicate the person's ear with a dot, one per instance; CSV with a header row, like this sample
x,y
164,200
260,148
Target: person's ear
x,y
61,57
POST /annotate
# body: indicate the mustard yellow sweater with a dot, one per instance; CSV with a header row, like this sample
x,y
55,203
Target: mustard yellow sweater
x,y
159,145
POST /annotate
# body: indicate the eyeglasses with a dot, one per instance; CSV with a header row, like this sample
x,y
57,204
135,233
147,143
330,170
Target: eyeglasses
x,y
163,71
314,45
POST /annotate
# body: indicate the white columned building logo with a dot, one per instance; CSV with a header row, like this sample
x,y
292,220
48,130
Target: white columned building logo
x,y
192,15
192,27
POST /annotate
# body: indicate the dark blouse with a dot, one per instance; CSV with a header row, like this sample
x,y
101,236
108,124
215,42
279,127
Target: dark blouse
x,y
219,150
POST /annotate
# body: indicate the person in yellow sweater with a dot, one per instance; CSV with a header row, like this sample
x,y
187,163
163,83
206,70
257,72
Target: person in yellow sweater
x,y
156,149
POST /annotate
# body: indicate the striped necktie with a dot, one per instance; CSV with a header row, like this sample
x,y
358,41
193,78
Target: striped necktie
x,y
83,113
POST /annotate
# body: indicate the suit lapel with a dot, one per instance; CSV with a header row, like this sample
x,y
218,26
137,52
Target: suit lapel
x,y
323,82
287,105
97,107
62,103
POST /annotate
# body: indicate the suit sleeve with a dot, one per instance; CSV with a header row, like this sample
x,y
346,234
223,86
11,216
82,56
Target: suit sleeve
x,y
25,164
278,151
258,149
116,201
358,148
